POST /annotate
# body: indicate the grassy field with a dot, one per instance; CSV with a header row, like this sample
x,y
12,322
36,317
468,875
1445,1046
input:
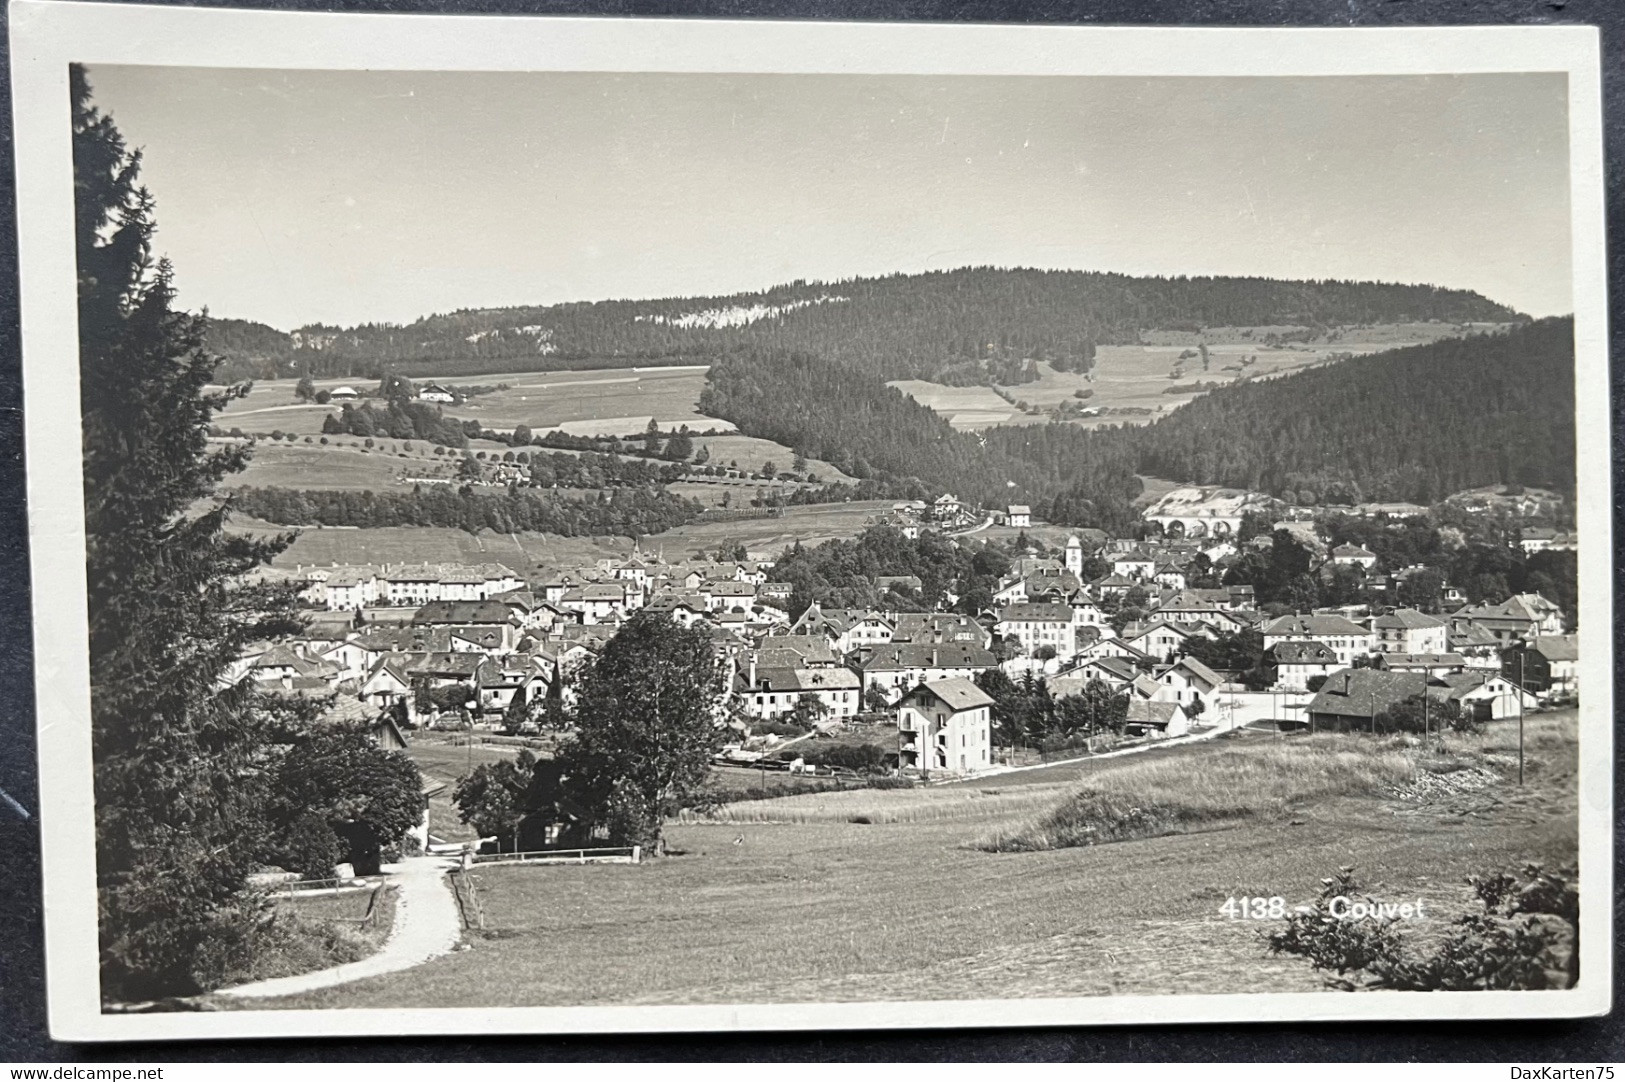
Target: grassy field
x,y
616,401
1134,377
816,906
343,463
765,538
433,544
629,397
965,407
610,402
752,454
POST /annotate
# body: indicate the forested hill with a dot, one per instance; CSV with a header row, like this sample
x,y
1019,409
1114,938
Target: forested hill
x,y
897,327
1411,424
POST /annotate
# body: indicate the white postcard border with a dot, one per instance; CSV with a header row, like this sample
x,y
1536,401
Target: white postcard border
x,y
47,36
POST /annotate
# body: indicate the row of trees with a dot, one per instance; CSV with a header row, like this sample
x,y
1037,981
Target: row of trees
x,y
197,780
1027,714
401,419
624,511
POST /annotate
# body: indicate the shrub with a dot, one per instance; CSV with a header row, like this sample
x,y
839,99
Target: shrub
x,y
863,758
1525,937
778,727
253,941
312,848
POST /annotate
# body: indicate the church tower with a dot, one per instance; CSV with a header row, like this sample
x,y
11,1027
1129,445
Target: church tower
x,y
1074,555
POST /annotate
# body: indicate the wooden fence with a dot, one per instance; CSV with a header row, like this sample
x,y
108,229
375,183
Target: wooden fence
x,y
469,906
312,886
625,855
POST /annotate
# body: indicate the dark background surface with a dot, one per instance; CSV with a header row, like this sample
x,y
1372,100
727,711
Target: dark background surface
x,y
23,1035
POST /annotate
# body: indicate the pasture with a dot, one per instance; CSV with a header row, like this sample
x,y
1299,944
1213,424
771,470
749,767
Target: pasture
x,y
765,538
884,895
614,401
433,544
964,407
345,462
1135,377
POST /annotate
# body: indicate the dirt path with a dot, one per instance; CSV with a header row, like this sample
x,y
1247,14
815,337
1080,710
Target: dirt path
x,y
426,926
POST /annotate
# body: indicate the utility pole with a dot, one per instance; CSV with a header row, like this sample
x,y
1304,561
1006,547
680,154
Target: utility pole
x,y
1521,656
1424,710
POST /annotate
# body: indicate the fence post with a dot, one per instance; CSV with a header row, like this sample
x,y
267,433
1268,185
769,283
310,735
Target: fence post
x,y
637,854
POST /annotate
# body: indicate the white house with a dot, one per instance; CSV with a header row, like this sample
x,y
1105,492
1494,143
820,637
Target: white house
x,y
1190,682
597,602
1406,631
1347,639
1354,556
1134,565
1160,639
946,727
1037,626
773,692
1019,514
897,667
1485,696
1297,662
433,392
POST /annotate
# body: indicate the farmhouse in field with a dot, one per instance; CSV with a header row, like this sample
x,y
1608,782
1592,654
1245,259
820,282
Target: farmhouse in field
x,y
945,727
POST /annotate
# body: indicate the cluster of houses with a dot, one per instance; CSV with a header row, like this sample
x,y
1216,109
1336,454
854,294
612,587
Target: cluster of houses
x,y
414,644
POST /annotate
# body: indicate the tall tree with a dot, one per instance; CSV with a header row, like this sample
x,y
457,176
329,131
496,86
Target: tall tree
x,y
178,756
647,727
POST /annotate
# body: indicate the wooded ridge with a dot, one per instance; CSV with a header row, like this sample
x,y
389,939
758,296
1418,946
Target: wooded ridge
x,y
903,326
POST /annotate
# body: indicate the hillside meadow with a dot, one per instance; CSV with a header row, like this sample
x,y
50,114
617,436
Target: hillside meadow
x,y
620,401
580,402
1135,377
877,895
763,538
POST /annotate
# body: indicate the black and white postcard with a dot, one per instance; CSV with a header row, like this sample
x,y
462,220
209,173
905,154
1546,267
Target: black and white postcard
x,y
570,525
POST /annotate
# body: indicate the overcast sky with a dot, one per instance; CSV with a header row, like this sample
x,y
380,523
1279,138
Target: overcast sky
x,y
343,197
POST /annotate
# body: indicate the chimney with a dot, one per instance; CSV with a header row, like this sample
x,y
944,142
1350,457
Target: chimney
x,y
1348,682
933,657
751,671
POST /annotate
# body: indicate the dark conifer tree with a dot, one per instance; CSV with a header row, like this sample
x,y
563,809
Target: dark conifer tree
x,y
176,753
